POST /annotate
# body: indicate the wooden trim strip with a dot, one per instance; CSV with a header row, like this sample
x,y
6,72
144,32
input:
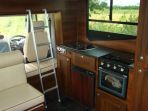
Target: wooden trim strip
x,y
35,107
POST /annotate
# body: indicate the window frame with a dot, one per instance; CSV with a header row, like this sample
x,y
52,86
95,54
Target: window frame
x,y
102,35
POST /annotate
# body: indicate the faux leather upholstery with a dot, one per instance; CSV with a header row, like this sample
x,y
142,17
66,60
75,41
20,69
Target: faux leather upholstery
x,y
41,37
29,53
20,98
15,93
32,69
7,60
12,70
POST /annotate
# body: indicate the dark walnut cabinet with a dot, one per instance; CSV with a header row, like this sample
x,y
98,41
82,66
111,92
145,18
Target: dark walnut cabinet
x,y
75,85
83,79
83,87
107,103
64,74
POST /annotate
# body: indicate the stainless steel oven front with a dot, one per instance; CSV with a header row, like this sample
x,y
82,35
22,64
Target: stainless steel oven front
x,y
113,82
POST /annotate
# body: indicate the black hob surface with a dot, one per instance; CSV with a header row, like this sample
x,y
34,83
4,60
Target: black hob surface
x,y
125,58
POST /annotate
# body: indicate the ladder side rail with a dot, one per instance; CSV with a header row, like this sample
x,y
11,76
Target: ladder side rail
x,y
35,48
48,33
52,33
51,50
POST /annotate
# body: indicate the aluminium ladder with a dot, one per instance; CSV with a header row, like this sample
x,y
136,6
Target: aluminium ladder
x,y
50,50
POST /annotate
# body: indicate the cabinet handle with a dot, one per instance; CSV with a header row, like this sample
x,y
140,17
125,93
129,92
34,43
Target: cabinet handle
x,y
141,57
140,70
82,57
67,60
98,94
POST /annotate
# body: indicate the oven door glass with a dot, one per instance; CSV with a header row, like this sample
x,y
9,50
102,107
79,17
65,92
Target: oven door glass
x,y
113,82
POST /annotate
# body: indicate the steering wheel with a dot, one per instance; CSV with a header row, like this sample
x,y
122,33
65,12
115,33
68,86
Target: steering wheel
x,y
17,42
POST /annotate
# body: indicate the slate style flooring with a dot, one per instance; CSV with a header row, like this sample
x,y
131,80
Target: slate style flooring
x,y
66,104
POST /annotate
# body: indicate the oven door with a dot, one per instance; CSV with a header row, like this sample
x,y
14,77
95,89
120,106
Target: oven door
x,y
112,82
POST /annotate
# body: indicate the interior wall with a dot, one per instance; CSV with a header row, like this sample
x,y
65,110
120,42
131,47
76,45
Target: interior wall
x,y
73,13
67,8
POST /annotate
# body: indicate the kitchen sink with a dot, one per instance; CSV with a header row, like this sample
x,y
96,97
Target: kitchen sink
x,y
80,46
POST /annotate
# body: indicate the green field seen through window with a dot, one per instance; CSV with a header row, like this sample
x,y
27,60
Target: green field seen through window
x,y
15,25
127,12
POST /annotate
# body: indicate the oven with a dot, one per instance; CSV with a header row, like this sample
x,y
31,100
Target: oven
x,y
113,73
113,82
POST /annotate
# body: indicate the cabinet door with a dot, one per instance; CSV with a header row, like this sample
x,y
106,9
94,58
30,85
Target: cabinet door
x,y
141,89
64,75
88,91
76,86
107,103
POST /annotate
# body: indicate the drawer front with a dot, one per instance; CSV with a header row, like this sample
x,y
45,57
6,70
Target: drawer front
x,y
84,61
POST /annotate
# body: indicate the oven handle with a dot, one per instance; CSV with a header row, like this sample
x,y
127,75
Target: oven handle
x,y
112,73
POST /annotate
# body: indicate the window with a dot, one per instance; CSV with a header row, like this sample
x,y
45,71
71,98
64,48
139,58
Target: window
x,y
12,25
112,19
13,28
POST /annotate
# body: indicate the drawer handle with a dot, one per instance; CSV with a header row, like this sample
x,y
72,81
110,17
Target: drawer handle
x,y
98,94
82,57
67,59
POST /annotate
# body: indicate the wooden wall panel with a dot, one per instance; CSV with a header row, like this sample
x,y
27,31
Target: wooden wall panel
x,y
17,6
70,21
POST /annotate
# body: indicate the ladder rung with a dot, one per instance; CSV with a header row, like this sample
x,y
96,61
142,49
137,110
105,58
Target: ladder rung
x,y
45,75
42,44
40,27
45,59
50,89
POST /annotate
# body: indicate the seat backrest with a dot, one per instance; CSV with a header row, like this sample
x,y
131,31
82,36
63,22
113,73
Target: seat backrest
x,y
41,37
4,46
12,71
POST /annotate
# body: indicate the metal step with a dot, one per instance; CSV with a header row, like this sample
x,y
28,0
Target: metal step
x,y
45,59
49,74
41,27
43,44
50,89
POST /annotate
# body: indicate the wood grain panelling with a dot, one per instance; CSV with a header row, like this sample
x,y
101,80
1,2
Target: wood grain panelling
x,y
123,45
16,6
141,90
70,21
58,27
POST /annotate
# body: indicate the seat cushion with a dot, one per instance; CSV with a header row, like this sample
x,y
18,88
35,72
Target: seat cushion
x,y
20,98
32,69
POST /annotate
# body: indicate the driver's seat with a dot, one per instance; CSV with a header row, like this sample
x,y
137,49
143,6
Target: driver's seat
x,y
4,46
29,52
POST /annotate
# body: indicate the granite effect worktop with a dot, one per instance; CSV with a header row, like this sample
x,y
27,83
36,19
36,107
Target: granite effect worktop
x,y
96,52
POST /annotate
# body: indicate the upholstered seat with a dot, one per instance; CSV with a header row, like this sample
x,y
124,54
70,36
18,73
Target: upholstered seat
x,y
32,69
29,52
20,98
15,93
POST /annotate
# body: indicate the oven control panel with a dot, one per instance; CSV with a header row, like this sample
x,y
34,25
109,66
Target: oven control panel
x,y
114,66
117,62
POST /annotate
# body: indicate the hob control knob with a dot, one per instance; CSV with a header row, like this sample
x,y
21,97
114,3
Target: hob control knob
x,y
121,69
108,65
114,67
102,63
